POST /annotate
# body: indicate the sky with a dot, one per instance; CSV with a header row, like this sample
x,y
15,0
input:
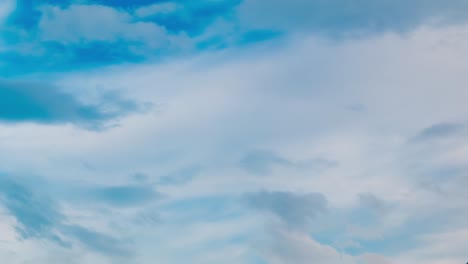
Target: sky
x,y
233,131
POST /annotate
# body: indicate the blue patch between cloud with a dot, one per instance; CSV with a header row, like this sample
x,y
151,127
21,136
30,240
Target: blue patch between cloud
x,y
58,57
255,36
35,102
26,15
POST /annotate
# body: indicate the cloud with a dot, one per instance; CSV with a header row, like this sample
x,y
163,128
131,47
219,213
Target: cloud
x,y
373,203
153,9
39,217
68,26
192,18
124,196
136,31
295,210
42,103
262,162
293,247
24,16
98,242
180,176
341,17
6,7
290,99
374,259
56,33
440,247
125,3
440,130
56,37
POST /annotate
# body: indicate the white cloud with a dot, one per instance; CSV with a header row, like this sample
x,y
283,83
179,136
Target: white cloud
x,y
291,247
374,259
293,101
440,247
156,9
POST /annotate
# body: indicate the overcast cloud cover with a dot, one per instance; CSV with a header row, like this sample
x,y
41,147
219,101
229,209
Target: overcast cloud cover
x,y
233,131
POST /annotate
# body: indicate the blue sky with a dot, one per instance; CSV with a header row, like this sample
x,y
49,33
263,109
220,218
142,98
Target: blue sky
x,y
233,131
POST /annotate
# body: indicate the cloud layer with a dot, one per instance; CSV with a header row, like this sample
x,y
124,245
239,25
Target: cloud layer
x,y
233,132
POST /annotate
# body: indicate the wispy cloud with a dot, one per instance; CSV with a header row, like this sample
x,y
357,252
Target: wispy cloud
x,y
42,103
124,196
262,162
37,216
291,131
40,217
440,130
344,18
296,210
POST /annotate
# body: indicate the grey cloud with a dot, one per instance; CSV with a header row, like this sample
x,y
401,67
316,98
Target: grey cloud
x,y
440,130
373,203
358,108
295,210
180,176
140,177
263,161
344,18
